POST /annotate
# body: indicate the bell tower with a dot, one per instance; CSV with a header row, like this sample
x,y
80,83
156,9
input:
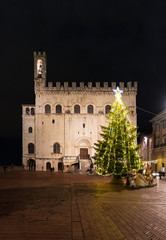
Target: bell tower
x,y
39,69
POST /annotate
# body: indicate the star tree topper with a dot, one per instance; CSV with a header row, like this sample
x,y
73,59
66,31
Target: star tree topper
x,y
118,93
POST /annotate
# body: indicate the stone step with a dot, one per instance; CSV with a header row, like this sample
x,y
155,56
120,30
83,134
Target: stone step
x,y
85,163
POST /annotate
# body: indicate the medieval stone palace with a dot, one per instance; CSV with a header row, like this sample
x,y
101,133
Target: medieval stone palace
x,y
60,129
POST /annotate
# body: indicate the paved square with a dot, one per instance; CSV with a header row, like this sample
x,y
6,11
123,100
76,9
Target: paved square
x,y
45,205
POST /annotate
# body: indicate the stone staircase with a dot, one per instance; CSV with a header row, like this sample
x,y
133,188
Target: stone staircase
x,y
85,164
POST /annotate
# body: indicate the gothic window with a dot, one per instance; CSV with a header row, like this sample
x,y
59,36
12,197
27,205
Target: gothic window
x,y
30,130
107,109
90,109
56,148
39,68
58,109
31,148
47,108
32,111
27,111
76,109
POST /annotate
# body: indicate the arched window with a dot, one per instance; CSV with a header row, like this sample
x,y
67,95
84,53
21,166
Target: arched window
x,y
76,109
90,109
30,130
47,108
27,111
39,68
107,109
56,148
32,111
58,109
31,148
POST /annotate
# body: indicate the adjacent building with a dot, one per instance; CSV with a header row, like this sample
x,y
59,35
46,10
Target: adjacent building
x,y
159,140
59,130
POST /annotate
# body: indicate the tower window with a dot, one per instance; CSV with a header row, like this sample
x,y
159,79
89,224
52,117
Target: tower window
x,y
30,130
27,111
90,109
31,148
39,68
58,109
56,148
32,111
76,109
107,109
47,108
53,121
83,125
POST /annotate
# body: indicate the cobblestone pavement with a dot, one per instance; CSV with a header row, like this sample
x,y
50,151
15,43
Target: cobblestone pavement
x,y
45,206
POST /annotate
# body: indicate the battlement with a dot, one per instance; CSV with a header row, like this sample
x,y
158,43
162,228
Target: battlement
x,y
91,86
39,53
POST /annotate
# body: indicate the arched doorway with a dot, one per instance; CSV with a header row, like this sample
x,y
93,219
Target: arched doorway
x,y
84,153
48,166
31,164
60,167
75,166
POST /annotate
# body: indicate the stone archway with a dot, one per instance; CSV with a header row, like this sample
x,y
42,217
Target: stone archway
x,y
31,164
60,167
48,166
84,143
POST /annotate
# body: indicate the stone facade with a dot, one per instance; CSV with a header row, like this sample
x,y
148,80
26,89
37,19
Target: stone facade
x,y
60,129
159,140
145,151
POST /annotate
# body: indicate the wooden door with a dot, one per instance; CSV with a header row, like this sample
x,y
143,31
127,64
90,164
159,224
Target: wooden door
x,y
83,153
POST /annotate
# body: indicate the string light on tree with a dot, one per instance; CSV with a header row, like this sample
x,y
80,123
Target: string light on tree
x,y
117,152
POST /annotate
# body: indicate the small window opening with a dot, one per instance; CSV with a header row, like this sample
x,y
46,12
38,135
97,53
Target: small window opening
x,y
27,111
31,148
30,130
90,109
39,68
58,109
47,108
107,109
83,125
53,121
77,109
32,111
56,148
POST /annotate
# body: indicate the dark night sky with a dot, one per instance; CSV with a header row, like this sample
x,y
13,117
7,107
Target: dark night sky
x,y
85,41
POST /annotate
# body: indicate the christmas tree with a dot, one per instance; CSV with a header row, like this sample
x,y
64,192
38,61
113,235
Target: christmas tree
x,y
117,152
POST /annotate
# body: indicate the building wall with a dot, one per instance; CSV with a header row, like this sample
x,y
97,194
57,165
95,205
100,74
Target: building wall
x,y
159,140
72,131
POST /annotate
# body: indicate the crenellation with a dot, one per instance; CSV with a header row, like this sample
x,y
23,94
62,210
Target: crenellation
x,y
113,85
135,86
73,85
129,85
50,84
121,85
58,84
89,84
97,84
81,85
105,84
66,85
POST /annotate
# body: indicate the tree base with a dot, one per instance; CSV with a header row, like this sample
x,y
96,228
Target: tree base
x,y
117,180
